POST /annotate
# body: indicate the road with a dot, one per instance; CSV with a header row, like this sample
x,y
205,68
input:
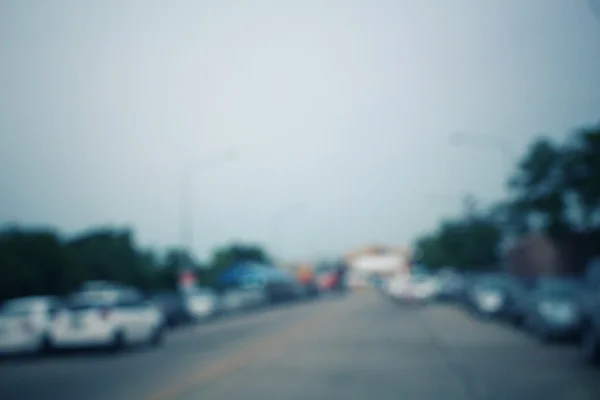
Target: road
x,y
357,347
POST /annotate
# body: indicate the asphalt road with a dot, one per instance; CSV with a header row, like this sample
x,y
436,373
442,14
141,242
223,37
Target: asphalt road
x,y
357,347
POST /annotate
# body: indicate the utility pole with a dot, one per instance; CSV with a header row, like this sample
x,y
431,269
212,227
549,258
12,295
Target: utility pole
x,y
186,223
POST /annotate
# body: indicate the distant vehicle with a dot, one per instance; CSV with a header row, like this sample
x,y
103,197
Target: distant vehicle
x,y
486,294
553,309
423,286
306,278
451,285
201,304
25,324
281,286
326,280
517,293
590,308
420,286
172,304
107,319
397,287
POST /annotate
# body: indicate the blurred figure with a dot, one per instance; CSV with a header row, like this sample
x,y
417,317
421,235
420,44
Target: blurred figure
x,y
341,273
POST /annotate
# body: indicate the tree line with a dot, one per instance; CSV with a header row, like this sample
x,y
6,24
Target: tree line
x,y
554,191
42,261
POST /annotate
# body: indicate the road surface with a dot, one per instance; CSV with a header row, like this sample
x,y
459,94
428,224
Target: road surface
x,y
357,347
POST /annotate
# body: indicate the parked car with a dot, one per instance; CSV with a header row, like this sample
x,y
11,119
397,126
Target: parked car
x,y
173,306
589,302
281,286
424,286
486,294
201,304
451,285
412,287
553,308
305,276
25,324
517,292
327,280
112,319
396,286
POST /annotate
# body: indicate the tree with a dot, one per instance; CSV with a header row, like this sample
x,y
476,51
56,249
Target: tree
x,y
582,173
470,242
550,175
107,254
540,186
33,263
225,257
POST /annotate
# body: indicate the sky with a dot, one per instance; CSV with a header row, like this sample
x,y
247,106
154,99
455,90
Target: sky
x,y
311,127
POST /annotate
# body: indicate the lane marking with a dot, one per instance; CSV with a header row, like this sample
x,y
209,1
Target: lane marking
x,y
242,357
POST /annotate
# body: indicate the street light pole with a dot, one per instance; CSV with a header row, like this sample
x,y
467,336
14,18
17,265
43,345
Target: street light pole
x,y
186,207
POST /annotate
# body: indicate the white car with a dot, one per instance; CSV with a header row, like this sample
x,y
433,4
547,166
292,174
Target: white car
x,y
201,304
419,287
107,319
425,287
25,324
238,300
397,286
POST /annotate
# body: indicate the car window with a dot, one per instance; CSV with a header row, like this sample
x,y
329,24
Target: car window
x,y
84,305
24,306
558,286
131,299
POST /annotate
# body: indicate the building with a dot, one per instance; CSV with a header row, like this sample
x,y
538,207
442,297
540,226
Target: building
x,y
365,263
533,255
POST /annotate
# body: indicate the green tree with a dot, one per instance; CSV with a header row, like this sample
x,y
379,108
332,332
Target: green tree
x,y
225,257
467,243
540,186
35,262
112,255
582,172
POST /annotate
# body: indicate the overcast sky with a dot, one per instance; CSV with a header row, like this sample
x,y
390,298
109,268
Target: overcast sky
x,y
340,112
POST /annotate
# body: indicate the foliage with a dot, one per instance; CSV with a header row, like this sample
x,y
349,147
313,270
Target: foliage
x,y
552,182
469,243
36,261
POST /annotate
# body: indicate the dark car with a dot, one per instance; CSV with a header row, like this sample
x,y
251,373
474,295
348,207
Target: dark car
x,y
517,292
451,285
173,307
281,286
590,310
553,308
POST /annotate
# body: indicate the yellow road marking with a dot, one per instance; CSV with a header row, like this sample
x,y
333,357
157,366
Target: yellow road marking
x,y
218,369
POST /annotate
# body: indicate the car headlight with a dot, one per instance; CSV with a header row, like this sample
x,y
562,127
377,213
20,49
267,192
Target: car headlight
x,y
490,300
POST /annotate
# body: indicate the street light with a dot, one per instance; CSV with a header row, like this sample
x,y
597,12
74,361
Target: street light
x,y
186,210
